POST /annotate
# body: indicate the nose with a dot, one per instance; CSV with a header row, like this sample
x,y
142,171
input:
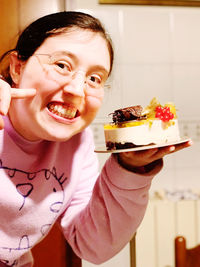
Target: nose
x,y
77,84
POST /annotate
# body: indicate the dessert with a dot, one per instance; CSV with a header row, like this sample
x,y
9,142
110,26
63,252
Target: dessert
x,y
135,126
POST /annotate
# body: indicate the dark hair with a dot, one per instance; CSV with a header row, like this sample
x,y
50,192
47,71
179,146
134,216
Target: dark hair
x,y
35,34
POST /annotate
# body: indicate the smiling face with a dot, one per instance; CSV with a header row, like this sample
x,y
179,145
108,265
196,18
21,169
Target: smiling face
x,y
68,71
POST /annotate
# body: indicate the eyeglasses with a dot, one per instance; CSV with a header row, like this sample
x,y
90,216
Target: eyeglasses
x,y
59,67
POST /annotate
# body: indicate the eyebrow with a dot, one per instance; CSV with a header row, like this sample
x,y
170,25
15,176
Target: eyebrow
x,y
100,68
69,54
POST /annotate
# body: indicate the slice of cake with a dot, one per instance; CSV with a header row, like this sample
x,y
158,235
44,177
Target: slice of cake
x,y
135,126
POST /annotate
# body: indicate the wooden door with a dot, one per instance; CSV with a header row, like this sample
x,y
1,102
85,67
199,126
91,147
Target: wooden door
x,y
9,25
15,15
54,251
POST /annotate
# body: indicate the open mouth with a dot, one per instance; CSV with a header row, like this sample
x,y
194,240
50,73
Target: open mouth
x,y
63,110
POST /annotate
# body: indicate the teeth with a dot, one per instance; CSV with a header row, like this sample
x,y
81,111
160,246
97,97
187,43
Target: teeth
x,y
65,112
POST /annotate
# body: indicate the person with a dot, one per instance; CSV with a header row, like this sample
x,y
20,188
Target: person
x,y
50,93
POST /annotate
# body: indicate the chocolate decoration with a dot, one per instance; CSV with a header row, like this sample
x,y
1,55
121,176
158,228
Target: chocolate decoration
x,y
128,114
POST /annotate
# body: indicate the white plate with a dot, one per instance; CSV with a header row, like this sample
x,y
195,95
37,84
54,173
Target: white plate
x,y
104,150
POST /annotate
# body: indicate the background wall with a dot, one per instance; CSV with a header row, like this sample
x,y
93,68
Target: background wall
x,y
157,52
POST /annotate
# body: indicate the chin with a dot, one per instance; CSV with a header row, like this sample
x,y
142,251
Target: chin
x,y
57,138
60,135
60,132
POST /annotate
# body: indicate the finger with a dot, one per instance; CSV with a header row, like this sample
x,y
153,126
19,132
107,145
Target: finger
x,y
5,98
141,153
163,151
175,148
144,157
183,145
22,93
147,153
138,158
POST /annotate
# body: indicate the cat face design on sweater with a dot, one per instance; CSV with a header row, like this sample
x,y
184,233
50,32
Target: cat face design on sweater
x,y
27,189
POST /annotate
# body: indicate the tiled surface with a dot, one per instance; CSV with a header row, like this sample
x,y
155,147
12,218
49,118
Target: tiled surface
x,y
144,81
157,54
144,39
186,90
185,37
113,94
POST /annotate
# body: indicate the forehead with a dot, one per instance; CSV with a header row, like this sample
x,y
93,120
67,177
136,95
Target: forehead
x,y
85,45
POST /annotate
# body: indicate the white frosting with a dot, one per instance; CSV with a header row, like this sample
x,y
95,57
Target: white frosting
x,y
156,133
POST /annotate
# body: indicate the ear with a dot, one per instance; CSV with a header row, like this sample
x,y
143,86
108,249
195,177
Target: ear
x,y
16,66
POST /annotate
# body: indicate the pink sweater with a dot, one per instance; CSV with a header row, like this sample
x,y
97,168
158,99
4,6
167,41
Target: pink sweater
x,y
42,182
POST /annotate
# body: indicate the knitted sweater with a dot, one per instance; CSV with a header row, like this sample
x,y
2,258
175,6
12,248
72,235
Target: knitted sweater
x,y
43,182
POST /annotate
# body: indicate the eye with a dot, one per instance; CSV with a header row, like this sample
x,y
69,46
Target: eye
x,y
62,67
94,80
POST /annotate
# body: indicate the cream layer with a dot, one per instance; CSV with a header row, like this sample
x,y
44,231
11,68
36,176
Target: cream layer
x,y
156,132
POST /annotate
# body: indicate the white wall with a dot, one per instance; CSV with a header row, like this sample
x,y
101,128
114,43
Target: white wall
x,y
157,54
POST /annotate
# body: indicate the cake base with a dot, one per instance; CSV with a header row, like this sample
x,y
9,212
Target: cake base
x,y
111,145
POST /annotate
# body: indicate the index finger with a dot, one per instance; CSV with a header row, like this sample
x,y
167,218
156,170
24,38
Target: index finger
x,y
22,93
163,151
182,145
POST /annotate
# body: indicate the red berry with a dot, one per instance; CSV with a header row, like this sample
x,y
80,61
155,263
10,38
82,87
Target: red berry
x,y
159,109
158,114
163,113
162,118
166,117
166,109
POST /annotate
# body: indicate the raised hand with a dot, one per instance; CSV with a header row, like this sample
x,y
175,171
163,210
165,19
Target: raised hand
x,y
7,93
137,159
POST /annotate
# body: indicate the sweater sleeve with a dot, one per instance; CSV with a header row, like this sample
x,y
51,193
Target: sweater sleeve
x,y
104,222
